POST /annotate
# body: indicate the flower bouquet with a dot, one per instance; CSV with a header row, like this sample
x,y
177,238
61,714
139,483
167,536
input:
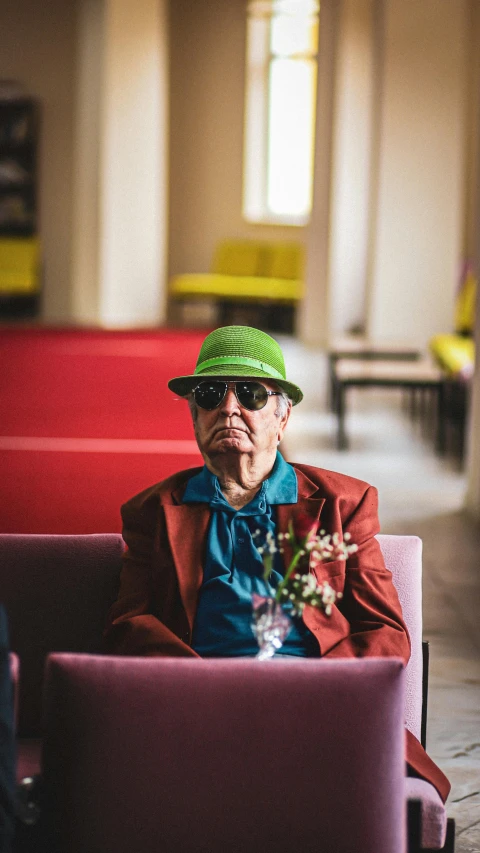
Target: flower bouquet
x,y
272,615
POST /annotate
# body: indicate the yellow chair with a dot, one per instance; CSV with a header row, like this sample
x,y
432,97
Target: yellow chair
x,y
455,353
266,276
19,266
465,303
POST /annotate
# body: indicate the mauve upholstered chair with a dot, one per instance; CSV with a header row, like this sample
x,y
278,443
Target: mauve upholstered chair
x,y
403,556
178,755
7,739
56,591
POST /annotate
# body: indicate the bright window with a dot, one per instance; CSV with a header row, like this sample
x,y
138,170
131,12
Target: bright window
x,y
282,43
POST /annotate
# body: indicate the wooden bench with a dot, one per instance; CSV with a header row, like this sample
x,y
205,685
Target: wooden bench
x,y
360,347
420,374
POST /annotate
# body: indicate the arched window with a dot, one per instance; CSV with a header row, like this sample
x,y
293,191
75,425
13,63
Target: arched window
x,y
281,78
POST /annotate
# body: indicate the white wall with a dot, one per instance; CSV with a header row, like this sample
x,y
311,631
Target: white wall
x,y
121,163
313,322
351,167
133,172
86,155
418,243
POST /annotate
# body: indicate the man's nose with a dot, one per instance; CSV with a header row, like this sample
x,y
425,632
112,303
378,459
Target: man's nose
x,y
230,404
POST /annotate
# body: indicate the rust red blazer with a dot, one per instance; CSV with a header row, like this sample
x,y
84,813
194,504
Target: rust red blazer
x,y
162,575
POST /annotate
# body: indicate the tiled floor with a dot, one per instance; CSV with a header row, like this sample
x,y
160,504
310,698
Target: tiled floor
x,y
423,495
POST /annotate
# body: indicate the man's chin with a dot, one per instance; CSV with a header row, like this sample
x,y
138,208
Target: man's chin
x,y
231,444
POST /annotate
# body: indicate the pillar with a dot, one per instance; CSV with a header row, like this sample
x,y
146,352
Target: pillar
x,y
120,207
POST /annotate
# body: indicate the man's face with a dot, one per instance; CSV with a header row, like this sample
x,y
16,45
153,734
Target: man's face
x,y
230,428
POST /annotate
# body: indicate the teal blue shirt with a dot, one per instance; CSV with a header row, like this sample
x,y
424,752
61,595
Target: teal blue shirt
x,y
234,568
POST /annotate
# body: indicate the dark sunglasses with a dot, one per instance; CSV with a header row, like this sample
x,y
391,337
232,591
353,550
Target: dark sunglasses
x,y
251,395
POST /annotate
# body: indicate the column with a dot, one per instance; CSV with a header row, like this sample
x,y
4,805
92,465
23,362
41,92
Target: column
x,y
313,316
120,208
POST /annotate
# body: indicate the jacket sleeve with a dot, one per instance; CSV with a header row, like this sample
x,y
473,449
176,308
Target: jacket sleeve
x,y
368,618
133,628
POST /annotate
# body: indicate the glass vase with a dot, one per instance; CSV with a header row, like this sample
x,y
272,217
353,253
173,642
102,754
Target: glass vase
x,y
270,625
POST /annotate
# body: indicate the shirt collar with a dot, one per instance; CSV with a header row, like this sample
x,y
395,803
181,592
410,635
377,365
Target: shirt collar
x,y
280,488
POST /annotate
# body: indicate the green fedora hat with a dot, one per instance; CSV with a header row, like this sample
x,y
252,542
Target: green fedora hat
x,y
238,351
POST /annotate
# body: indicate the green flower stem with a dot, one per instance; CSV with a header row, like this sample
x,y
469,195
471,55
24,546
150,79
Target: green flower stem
x,y
288,574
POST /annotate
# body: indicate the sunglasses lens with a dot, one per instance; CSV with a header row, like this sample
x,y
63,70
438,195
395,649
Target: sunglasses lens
x,y
251,395
209,395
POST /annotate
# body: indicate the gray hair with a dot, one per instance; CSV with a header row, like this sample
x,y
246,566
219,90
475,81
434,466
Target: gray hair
x,y
284,403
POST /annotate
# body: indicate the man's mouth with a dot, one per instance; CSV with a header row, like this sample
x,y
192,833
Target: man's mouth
x,y
229,429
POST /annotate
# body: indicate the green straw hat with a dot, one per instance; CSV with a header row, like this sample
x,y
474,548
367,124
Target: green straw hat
x,y
238,351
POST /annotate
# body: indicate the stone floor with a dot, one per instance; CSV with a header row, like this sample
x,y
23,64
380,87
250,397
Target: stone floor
x,y
423,495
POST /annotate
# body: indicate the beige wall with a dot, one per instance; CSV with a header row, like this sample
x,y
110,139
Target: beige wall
x,y
472,241
86,296
418,240
38,49
206,133
351,166
419,223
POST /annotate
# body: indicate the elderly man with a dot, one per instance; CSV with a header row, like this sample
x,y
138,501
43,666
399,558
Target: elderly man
x,y
192,563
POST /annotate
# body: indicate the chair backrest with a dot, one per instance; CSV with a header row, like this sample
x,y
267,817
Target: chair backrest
x,y
237,257
403,556
56,591
19,264
269,259
465,298
163,755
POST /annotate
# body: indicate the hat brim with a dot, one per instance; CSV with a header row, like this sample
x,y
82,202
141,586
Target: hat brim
x,y
182,385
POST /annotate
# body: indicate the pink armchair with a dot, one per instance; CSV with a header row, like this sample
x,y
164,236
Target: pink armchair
x,y
403,556
57,590
164,755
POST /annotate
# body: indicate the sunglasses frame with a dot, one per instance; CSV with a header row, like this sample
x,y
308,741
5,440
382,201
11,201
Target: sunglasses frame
x,y
234,383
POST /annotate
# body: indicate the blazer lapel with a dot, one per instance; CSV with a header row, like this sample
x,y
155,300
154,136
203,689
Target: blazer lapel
x,y
187,528
306,507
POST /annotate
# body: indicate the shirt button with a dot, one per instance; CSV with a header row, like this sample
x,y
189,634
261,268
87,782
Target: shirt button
x,y
241,539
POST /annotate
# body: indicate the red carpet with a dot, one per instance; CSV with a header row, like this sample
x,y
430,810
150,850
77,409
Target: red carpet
x,y
87,421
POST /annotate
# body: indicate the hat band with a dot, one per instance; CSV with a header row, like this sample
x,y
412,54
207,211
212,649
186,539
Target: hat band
x,y
240,359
